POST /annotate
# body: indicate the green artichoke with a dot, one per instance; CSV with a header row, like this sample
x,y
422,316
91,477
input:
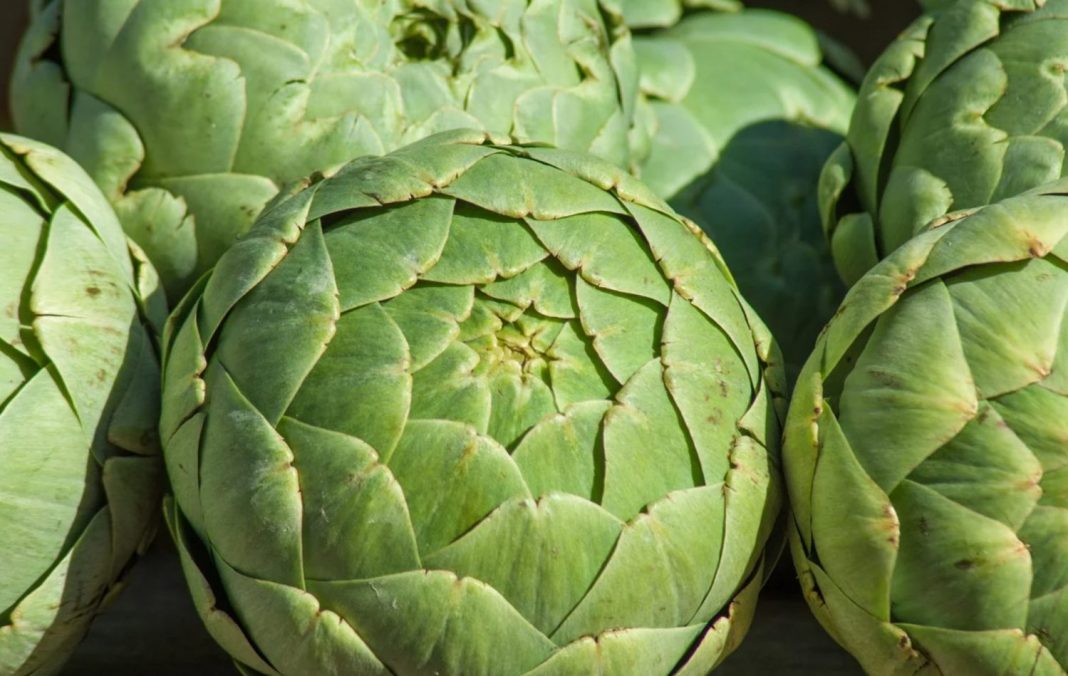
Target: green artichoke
x,y
80,474
640,14
664,13
743,117
925,451
966,108
191,114
472,409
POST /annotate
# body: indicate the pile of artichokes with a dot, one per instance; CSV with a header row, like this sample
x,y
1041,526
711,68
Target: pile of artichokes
x,y
502,337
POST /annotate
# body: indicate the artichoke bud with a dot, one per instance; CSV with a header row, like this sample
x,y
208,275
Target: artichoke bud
x,y
481,386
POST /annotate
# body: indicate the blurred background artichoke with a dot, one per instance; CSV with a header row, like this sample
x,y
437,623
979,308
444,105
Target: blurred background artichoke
x,y
967,107
192,114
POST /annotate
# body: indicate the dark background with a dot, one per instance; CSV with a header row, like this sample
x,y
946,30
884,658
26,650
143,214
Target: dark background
x,y
152,628
13,17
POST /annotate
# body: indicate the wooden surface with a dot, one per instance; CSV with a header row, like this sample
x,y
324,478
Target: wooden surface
x,y
152,629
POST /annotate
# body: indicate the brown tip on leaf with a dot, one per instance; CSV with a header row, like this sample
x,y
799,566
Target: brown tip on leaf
x,y
1036,247
903,281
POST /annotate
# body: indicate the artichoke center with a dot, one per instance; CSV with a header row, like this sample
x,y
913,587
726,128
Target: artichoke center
x,y
515,347
510,341
424,35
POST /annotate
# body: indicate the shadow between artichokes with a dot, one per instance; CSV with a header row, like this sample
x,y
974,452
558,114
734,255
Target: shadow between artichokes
x,y
925,450
80,473
191,114
742,114
472,408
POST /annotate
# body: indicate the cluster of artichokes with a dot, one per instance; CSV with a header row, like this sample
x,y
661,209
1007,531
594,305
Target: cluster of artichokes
x,y
522,336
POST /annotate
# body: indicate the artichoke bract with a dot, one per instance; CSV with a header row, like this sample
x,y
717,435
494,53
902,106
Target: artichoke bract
x,y
925,450
743,116
80,473
191,114
472,408
663,13
966,108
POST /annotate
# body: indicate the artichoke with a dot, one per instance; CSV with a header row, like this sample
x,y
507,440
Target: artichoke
x,y
80,474
441,412
925,450
966,108
743,116
664,13
640,14
191,114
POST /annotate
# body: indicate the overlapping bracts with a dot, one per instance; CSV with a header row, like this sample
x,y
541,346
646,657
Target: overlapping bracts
x,y
926,455
191,114
966,108
742,114
472,409
80,474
